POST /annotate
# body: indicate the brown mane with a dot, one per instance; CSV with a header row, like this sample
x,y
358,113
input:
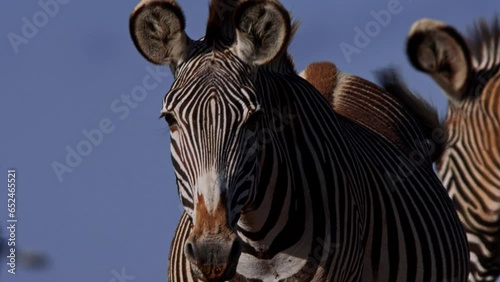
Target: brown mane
x,y
392,111
484,41
425,114
484,46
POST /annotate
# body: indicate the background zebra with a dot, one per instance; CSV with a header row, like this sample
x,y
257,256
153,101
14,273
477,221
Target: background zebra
x,y
468,70
276,184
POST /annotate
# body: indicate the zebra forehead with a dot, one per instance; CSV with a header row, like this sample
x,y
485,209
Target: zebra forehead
x,y
212,65
205,79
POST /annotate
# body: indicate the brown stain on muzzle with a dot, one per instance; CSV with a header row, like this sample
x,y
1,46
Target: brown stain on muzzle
x,y
211,224
213,236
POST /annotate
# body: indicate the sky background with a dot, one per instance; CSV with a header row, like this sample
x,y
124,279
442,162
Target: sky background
x,y
118,209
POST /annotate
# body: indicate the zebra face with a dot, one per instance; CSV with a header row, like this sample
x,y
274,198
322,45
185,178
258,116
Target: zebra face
x,y
213,111
215,163
214,118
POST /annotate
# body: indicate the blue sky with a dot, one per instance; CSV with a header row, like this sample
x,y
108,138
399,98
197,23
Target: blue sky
x,y
118,208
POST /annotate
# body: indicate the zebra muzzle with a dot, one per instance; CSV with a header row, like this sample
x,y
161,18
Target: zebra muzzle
x,y
212,258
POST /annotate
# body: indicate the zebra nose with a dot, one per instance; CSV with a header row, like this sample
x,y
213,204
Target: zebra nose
x,y
213,259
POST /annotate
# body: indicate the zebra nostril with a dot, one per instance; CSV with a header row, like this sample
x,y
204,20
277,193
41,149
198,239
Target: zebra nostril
x,y
189,250
213,258
235,252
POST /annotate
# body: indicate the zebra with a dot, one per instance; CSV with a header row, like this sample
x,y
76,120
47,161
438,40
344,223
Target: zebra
x,y
322,76
275,185
468,71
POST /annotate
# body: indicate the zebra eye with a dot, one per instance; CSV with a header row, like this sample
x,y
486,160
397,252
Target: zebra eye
x,y
252,121
170,119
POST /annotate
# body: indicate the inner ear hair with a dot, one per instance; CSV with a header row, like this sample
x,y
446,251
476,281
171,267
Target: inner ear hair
x,y
439,50
263,31
157,30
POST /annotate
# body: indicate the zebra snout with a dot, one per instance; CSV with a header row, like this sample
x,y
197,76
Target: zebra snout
x,y
213,259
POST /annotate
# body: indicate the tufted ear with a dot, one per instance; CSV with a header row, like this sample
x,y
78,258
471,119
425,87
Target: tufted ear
x,y
157,29
439,50
263,31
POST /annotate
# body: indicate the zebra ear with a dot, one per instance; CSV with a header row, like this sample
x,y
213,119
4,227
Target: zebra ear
x,y
157,29
263,31
439,50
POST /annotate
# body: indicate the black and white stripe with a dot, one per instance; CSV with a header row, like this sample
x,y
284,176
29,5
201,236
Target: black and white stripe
x,y
470,163
276,185
326,206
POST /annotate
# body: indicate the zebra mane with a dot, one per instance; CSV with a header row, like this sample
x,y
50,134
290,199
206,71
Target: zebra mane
x,y
484,44
389,110
424,113
220,27
220,33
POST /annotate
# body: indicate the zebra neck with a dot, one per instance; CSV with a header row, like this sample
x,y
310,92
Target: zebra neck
x,y
276,230
274,241
273,207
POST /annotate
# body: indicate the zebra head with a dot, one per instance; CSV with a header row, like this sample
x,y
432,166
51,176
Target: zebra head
x,y
468,70
214,113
